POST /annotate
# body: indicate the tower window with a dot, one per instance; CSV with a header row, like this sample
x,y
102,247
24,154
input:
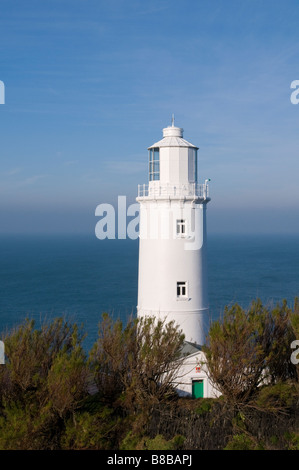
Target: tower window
x,y
195,165
181,227
181,289
154,164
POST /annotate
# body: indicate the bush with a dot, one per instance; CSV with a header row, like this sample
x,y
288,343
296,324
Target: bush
x,y
93,431
247,349
41,385
293,441
279,396
205,406
45,402
137,365
242,442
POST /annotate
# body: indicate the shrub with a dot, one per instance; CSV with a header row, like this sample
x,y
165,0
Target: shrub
x,y
93,431
279,396
247,349
242,442
41,385
136,364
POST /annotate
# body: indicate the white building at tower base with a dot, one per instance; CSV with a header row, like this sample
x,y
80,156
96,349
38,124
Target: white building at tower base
x,y
193,379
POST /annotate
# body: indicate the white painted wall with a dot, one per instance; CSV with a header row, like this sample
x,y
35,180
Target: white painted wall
x,y
189,372
177,165
164,260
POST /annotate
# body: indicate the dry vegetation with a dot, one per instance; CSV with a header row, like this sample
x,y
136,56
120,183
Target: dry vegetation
x,y
45,399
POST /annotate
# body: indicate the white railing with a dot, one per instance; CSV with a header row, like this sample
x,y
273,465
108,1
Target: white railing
x,y
173,190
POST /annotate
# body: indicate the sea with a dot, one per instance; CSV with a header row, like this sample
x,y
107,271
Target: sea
x,y
79,276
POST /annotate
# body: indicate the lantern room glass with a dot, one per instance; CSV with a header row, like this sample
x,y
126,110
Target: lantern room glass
x,y
154,164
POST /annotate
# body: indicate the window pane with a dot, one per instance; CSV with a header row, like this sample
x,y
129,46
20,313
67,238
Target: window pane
x,y
181,289
154,165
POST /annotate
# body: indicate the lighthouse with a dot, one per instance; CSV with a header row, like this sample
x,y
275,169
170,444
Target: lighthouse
x,y
172,278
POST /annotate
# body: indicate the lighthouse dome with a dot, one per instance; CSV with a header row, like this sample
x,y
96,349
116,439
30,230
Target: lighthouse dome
x,y
173,137
173,131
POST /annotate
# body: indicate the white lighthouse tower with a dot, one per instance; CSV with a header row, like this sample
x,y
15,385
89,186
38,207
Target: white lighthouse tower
x,y
172,281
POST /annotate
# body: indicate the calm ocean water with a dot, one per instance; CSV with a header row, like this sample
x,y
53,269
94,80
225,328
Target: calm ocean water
x,y
81,276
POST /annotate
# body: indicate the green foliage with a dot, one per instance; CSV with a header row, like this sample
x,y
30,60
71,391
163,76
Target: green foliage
x,y
242,442
292,439
66,381
246,349
160,443
281,395
30,355
15,428
138,442
178,442
295,318
239,421
136,364
42,383
45,401
26,427
131,441
274,440
90,431
205,406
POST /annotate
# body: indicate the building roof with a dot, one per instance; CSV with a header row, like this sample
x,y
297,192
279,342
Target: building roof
x,y
190,348
173,142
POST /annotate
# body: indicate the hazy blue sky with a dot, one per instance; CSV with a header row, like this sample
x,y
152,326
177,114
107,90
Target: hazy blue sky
x,y
90,84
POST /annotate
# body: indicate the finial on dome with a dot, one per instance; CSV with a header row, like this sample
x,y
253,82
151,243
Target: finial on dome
x,y
172,120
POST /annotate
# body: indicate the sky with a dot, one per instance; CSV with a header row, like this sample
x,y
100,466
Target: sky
x,y
90,84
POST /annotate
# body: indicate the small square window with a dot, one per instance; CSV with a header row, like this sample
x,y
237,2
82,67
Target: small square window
x,y
181,289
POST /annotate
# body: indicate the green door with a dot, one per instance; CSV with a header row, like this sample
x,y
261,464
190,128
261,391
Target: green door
x,y
197,388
